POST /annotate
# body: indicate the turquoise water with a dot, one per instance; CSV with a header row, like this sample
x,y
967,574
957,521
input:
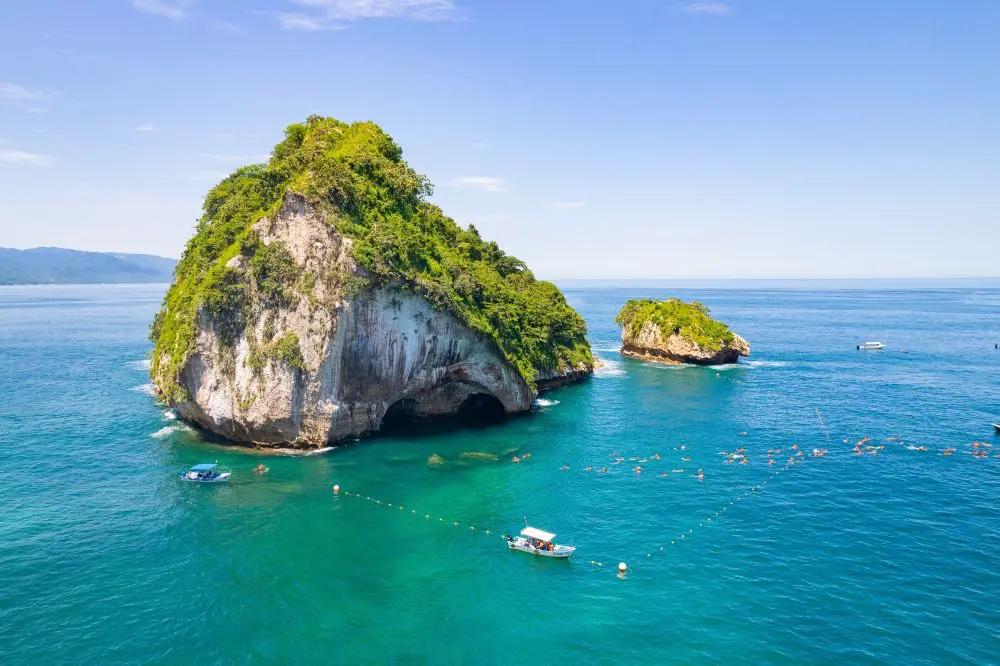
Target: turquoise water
x,y
105,557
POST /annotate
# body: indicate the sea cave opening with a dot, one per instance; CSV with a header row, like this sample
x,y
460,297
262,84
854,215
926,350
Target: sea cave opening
x,y
477,410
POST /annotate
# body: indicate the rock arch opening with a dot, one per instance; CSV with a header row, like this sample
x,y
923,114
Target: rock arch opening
x,y
407,417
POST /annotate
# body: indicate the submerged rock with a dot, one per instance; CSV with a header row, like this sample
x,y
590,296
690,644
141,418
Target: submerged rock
x,y
321,291
672,331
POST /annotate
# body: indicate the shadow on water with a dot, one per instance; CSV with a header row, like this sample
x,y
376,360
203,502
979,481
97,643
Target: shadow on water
x,y
478,411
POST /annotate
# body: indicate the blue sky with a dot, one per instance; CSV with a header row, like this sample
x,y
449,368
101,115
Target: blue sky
x,y
634,138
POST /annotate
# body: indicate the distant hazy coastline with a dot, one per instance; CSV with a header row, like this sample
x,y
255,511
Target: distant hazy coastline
x,y
54,265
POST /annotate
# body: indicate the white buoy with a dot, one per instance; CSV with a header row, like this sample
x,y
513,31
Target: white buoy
x,y
622,568
336,489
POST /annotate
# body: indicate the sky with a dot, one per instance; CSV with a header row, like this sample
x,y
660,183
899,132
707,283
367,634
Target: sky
x,y
590,138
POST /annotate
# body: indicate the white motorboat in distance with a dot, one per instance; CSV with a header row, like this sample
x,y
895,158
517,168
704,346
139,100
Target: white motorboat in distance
x,y
997,426
207,473
871,346
538,542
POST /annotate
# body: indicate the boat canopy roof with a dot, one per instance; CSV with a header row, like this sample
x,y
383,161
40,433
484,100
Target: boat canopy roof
x,y
204,467
535,533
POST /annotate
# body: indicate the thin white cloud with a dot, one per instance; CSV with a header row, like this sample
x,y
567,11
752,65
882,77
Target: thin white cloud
x,y
484,183
717,8
144,127
23,158
327,13
230,27
208,175
12,92
242,159
177,10
307,22
566,205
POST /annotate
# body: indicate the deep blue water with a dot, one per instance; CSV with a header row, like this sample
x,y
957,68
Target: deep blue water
x,y
105,557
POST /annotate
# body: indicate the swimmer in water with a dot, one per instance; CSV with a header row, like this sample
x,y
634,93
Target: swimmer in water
x,y
771,461
604,469
656,456
588,469
260,469
564,467
700,475
515,459
745,461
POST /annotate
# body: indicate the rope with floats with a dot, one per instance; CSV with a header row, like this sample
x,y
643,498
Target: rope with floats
x,y
413,512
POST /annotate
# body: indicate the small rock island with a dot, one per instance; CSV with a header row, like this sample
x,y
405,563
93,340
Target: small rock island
x,y
322,294
673,331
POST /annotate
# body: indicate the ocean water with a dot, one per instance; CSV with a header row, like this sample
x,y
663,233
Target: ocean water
x,y
891,557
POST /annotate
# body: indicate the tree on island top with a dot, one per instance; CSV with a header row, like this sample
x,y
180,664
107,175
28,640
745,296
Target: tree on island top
x,y
689,320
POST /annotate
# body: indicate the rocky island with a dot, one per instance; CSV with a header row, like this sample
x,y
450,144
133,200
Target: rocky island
x,y
672,331
322,293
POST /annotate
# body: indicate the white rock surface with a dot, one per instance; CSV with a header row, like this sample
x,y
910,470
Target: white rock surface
x,y
362,354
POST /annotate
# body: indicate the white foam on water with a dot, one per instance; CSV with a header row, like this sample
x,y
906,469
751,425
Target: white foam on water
x,y
321,451
765,364
139,365
607,349
165,431
148,389
610,369
668,366
725,367
544,402
169,415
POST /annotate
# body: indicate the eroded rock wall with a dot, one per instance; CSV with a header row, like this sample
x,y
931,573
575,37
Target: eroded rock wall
x,y
360,354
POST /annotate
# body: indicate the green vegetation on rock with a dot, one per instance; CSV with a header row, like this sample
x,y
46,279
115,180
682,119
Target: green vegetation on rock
x,y
354,175
690,320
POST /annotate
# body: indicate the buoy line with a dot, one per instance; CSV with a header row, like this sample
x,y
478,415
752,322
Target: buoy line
x,y
438,520
717,515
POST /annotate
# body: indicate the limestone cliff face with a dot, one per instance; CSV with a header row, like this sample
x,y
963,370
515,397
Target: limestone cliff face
x,y
651,344
360,353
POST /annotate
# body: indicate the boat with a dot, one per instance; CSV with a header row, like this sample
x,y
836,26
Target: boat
x,y
997,426
871,346
538,542
207,473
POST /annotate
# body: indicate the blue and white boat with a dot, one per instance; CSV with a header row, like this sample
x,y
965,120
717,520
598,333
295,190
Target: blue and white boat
x,y
538,542
207,473
871,346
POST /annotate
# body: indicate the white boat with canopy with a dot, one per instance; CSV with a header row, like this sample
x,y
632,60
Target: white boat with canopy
x,y
207,473
871,346
538,542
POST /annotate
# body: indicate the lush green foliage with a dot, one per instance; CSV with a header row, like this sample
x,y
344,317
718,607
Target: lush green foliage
x,y
355,175
691,320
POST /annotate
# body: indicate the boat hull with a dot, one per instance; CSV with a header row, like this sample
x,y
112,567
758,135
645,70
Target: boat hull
x,y
997,427
558,552
219,478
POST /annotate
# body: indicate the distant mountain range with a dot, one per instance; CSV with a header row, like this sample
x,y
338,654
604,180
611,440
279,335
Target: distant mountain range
x,y
56,265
